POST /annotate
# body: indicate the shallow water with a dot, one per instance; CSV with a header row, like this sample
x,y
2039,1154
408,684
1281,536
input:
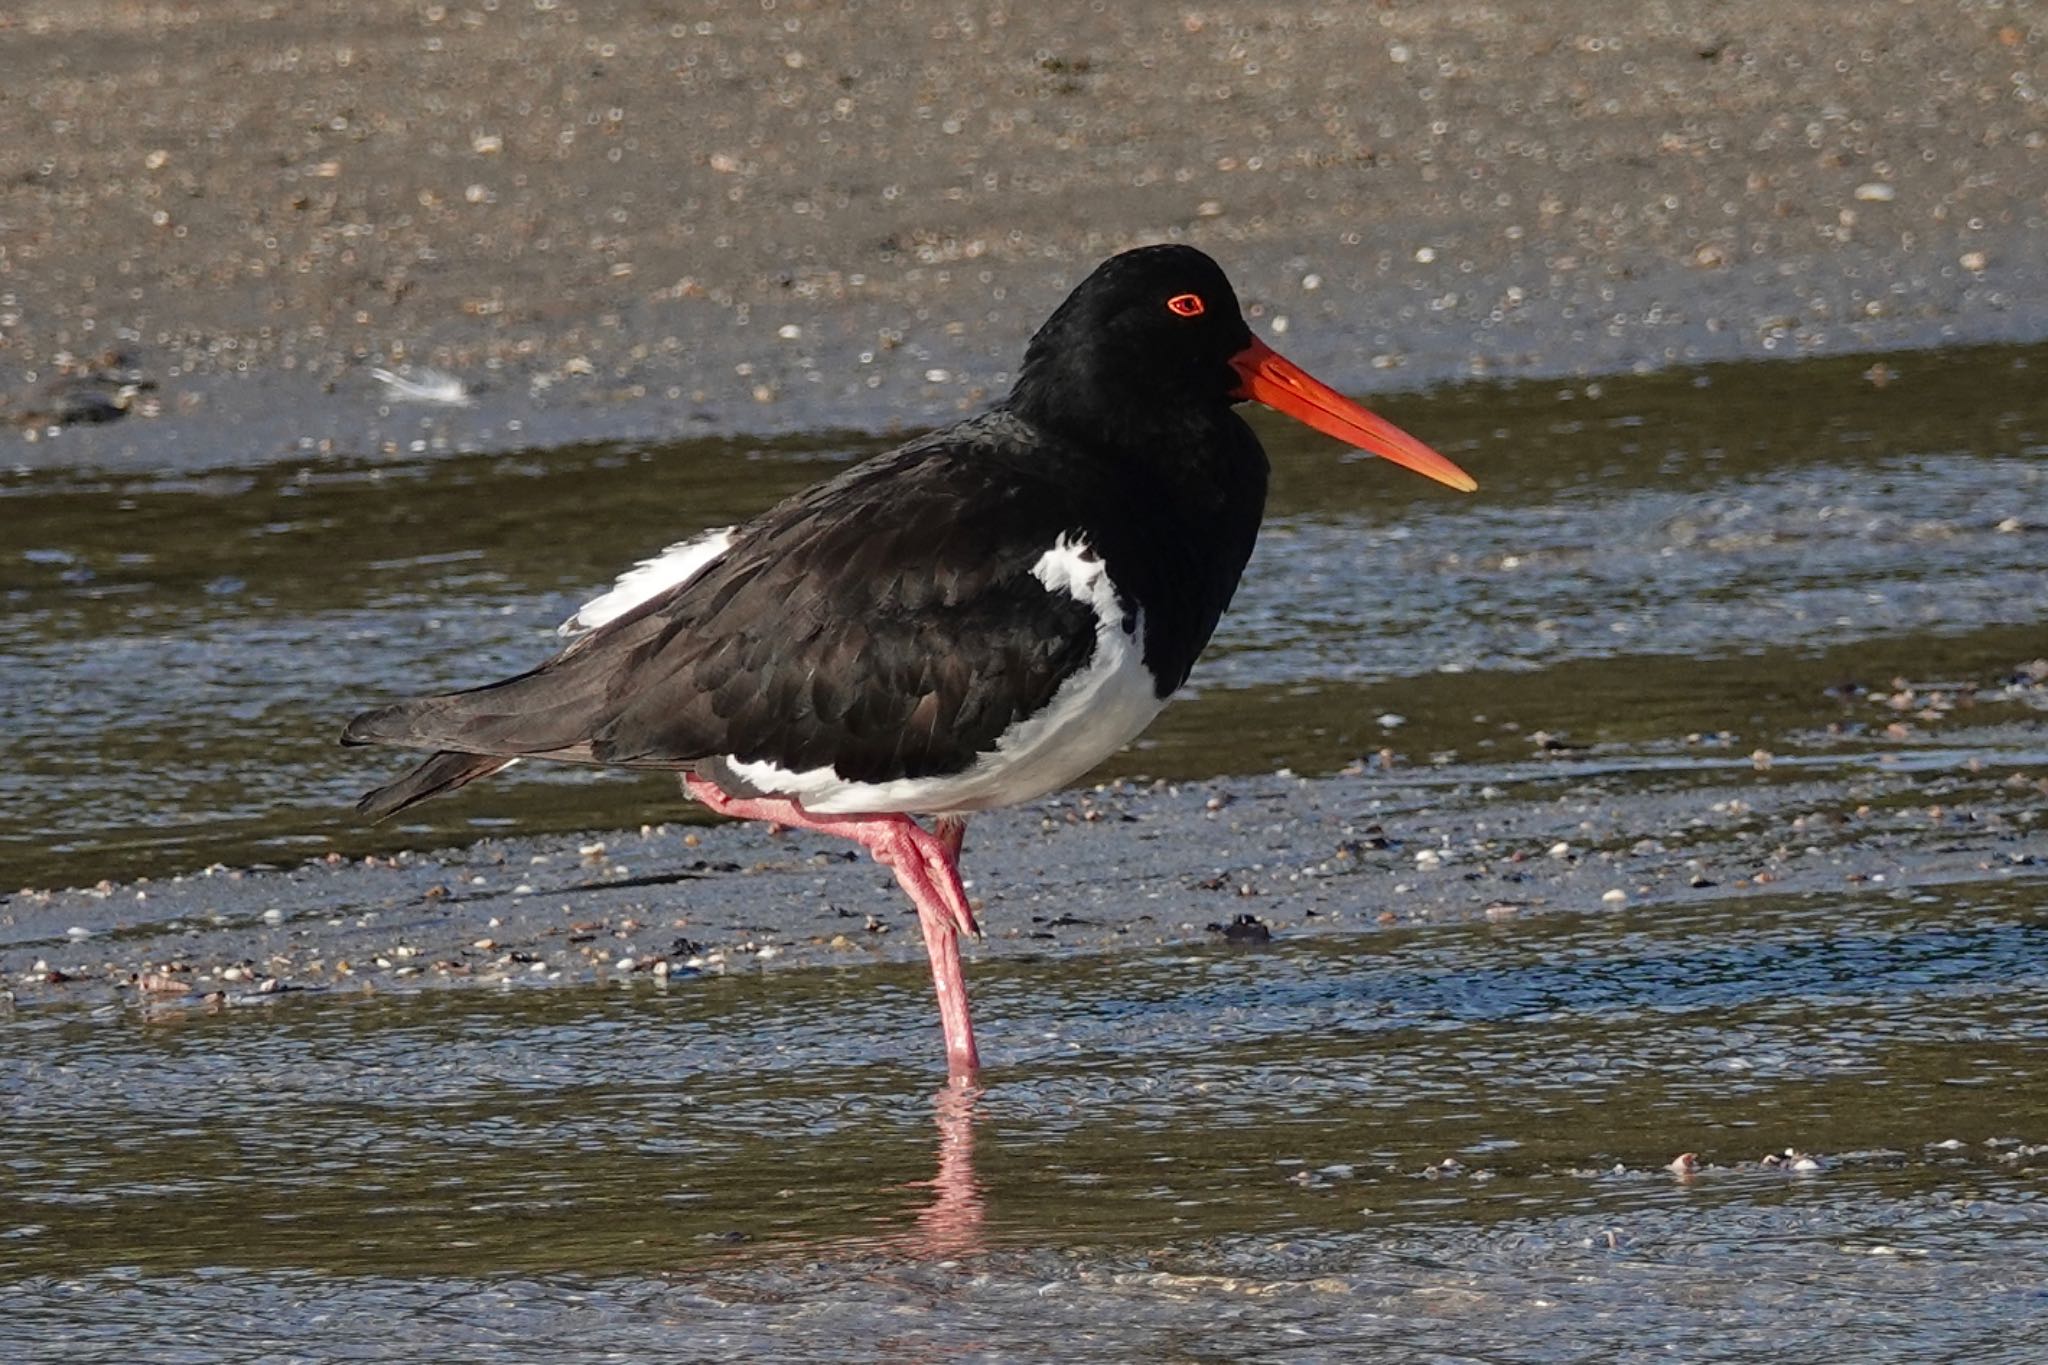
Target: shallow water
x,y
1648,557
1438,1139
1442,1144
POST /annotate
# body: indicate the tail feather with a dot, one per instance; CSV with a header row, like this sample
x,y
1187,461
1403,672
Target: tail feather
x,y
546,712
386,725
444,772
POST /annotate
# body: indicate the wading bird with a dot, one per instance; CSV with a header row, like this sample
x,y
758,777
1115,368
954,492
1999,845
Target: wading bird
x,y
971,620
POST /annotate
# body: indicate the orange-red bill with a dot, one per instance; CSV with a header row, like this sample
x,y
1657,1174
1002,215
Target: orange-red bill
x,y
1279,383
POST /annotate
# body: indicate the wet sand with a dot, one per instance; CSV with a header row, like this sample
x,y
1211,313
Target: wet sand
x,y
1121,867
611,221
1641,856
616,219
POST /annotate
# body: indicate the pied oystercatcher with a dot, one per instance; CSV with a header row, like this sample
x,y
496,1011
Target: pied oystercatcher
x,y
973,619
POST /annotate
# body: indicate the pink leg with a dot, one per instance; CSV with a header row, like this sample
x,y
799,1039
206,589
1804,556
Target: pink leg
x,y
926,867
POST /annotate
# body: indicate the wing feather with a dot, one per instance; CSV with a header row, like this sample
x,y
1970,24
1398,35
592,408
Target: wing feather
x,y
886,624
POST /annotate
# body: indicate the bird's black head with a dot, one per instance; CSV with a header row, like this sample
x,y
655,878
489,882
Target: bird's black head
x,y
1150,331
1151,350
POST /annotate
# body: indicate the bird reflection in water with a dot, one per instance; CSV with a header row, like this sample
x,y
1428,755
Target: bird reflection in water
x,y
951,1224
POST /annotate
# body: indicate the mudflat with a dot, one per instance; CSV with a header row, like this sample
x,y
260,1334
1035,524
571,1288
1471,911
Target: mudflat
x,y
612,220
618,218
1596,919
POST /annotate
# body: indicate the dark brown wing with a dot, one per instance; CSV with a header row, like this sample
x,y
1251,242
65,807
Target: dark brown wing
x,y
886,624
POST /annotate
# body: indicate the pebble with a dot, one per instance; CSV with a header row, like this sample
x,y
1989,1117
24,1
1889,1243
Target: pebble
x,y
1792,1159
1243,929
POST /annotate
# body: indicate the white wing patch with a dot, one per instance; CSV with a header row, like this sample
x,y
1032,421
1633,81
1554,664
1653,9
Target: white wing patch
x,y
1076,570
650,578
1094,713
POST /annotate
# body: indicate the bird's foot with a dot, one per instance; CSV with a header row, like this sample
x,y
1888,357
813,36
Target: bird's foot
x,y
917,855
774,809
930,860
926,867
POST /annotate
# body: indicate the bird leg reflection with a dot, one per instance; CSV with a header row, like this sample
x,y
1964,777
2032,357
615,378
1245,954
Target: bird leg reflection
x,y
951,1224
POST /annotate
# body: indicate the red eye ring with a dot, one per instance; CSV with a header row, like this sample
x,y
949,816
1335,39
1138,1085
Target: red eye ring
x,y
1187,305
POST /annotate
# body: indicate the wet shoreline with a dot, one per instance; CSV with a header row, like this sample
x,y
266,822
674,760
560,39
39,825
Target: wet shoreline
x,y
1598,919
1119,868
856,223
1787,574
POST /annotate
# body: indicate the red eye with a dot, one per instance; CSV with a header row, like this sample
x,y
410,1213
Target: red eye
x,y
1187,305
